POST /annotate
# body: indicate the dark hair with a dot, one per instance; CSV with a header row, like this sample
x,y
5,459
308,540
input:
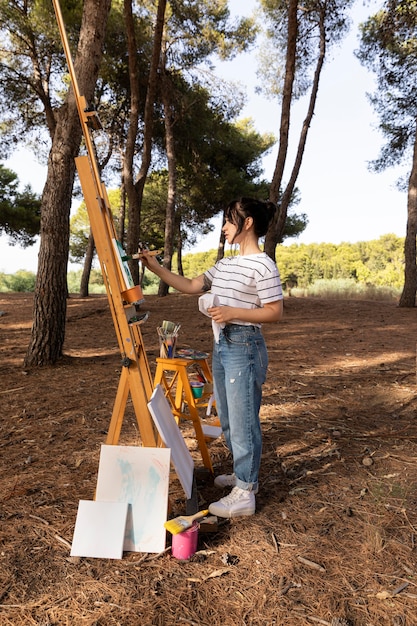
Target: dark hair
x,y
262,213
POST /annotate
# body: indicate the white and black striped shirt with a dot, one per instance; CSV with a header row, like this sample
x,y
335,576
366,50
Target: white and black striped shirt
x,y
247,281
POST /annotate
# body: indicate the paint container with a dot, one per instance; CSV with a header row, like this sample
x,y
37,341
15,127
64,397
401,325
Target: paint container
x,y
133,295
184,544
197,389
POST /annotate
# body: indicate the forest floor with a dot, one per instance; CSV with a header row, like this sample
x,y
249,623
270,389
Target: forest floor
x,y
334,539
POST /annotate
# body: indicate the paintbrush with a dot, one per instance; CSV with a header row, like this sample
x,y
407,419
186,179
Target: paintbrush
x,y
179,524
129,257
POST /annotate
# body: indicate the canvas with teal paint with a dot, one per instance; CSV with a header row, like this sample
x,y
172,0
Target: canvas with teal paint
x,y
121,256
140,477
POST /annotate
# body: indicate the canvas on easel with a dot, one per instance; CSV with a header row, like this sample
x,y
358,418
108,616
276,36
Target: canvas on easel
x,y
140,477
124,266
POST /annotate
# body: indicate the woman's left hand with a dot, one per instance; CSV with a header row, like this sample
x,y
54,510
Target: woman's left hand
x,y
221,314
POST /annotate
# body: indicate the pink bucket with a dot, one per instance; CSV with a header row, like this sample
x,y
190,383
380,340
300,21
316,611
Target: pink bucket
x,y
184,544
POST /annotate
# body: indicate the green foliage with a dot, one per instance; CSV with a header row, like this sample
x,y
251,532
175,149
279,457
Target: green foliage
x,y
226,158
19,211
21,281
388,48
196,264
311,13
150,284
198,29
95,284
378,262
80,226
226,164
32,68
367,269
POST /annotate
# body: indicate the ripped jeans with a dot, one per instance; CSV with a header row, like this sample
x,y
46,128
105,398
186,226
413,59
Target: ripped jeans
x,y
239,366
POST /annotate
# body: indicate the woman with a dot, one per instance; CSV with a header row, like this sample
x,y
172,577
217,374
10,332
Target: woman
x,y
248,291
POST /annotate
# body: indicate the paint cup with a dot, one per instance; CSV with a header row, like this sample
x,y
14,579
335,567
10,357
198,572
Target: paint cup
x,y
197,389
133,295
184,544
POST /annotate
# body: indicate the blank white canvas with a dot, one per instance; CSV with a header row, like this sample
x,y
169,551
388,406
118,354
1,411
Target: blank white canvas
x,y
211,431
171,435
140,477
100,529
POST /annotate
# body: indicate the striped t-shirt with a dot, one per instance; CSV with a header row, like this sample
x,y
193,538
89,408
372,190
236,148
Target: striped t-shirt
x,y
247,281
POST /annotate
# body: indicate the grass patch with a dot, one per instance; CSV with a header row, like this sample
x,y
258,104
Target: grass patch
x,y
344,288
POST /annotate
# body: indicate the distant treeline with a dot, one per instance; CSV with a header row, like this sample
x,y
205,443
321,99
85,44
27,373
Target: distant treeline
x,y
379,262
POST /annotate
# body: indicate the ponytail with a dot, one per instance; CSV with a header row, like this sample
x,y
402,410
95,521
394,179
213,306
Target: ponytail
x,y
262,213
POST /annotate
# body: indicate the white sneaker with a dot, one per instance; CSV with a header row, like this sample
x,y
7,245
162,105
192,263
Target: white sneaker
x,y
227,480
239,502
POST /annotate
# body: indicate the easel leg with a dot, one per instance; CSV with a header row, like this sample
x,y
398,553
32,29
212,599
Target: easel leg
x,y
191,505
118,410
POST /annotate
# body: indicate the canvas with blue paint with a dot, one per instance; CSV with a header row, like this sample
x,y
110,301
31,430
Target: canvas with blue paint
x,y
140,477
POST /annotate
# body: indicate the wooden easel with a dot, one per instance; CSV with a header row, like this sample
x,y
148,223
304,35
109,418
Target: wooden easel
x,y
135,376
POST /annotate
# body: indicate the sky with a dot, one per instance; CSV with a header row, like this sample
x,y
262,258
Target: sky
x,y
343,200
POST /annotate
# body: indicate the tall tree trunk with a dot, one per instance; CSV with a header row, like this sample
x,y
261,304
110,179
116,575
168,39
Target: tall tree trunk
x,y
276,230
127,171
180,268
292,29
88,264
408,296
48,330
122,212
289,189
134,190
222,242
172,183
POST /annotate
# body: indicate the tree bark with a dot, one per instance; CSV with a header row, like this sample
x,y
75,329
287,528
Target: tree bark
x,y
289,189
222,242
49,313
172,182
134,190
127,172
270,239
88,263
180,268
408,295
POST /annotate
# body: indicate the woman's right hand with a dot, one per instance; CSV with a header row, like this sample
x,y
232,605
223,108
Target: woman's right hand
x,y
149,261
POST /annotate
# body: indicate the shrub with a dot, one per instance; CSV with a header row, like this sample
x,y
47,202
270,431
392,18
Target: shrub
x,y
20,281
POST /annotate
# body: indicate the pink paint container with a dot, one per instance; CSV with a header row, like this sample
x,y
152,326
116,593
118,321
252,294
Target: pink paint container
x,y
184,544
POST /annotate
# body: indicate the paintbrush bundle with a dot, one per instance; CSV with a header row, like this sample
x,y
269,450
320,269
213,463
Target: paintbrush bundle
x,y
179,524
168,334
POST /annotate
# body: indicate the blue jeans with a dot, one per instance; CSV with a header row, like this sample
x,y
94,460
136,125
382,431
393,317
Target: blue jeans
x,y
239,366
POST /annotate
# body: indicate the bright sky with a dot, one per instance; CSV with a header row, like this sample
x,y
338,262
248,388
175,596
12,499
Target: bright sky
x,y
343,200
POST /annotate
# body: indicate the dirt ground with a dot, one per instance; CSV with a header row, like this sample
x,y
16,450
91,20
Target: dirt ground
x,y
334,539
